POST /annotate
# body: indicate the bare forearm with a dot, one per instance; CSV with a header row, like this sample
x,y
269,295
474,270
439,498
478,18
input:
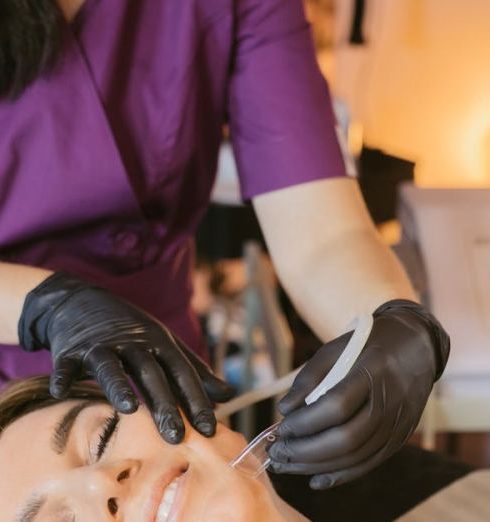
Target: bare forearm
x,y
328,253
16,281
352,275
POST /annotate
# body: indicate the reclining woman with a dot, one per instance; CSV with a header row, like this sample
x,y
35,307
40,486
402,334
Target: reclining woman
x,y
89,463
77,460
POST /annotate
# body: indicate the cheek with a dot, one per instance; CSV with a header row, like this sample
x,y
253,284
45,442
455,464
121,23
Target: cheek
x,y
138,437
225,492
224,446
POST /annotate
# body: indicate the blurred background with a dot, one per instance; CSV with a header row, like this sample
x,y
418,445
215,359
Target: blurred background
x,y
411,87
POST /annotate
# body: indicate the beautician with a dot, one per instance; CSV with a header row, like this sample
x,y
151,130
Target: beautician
x,y
111,117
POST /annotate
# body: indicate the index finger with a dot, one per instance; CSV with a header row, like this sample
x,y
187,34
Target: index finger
x,y
153,384
313,373
334,408
109,373
190,387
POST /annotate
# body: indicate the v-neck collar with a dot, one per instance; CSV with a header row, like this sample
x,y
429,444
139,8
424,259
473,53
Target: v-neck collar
x,y
81,16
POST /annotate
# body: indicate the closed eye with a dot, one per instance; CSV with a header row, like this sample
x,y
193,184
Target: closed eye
x,y
110,427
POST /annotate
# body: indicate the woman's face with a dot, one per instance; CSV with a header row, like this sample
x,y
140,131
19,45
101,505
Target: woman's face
x,y
77,461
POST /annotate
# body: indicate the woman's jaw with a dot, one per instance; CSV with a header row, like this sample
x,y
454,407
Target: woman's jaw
x,y
139,477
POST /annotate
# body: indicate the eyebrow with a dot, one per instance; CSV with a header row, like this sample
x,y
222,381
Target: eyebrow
x,y
59,442
31,509
61,434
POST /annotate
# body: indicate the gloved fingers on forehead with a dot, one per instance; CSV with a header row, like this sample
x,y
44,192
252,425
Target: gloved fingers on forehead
x,y
151,380
177,365
371,446
332,443
65,372
217,389
191,392
108,371
336,407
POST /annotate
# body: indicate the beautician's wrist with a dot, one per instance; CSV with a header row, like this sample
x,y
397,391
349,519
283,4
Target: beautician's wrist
x,y
16,281
40,303
440,338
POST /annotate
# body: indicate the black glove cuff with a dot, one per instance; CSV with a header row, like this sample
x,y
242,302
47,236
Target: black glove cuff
x,y
39,305
440,338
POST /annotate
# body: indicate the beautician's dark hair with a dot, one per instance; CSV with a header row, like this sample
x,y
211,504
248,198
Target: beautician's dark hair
x,y
30,42
28,395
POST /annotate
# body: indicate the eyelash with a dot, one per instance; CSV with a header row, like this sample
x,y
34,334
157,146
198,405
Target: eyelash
x,y
110,427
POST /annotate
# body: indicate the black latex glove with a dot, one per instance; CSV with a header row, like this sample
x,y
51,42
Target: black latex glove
x,y
369,415
91,333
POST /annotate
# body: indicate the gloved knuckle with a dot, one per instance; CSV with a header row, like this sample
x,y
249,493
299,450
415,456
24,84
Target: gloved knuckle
x,y
285,449
367,373
106,369
340,404
349,439
287,429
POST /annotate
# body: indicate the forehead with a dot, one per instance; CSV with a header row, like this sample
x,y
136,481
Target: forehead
x,y
26,458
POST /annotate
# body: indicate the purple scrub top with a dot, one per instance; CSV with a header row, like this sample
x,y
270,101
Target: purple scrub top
x,y
107,162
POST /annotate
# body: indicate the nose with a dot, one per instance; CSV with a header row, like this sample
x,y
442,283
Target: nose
x,y
107,488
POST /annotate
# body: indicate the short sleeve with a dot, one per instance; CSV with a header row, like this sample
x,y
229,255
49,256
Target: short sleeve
x,y
280,111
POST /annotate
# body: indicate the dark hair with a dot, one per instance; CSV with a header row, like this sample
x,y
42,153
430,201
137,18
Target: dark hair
x,y
27,395
30,42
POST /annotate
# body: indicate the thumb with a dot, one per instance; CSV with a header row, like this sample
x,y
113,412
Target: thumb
x,y
293,400
313,373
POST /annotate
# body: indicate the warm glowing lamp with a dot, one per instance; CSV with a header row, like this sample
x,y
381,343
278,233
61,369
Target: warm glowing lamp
x,y
421,86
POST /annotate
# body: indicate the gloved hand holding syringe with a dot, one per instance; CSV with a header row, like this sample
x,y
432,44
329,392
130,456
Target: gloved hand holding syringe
x,y
254,459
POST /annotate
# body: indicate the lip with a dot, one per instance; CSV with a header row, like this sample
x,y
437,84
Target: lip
x,y
179,497
157,491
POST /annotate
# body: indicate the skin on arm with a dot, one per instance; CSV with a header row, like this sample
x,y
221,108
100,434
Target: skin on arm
x,y
328,253
16,281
